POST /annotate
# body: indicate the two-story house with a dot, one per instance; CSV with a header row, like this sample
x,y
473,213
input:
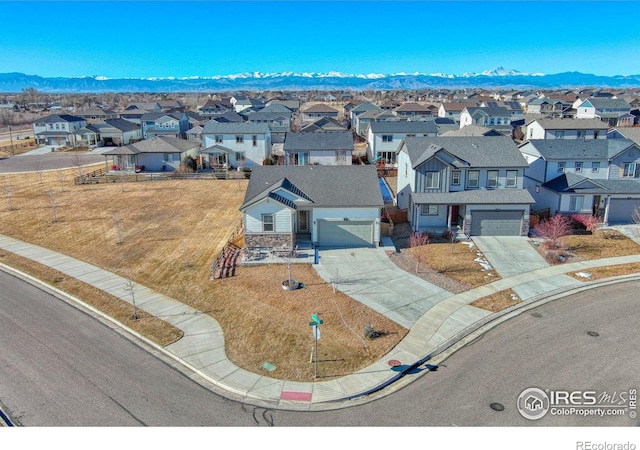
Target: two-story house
x,y
613,111
598,177
452,110
412,110
384,138
318,110
94,115
493,117
57,129
164,124
356,125
332,148
547,106
566,129
472,184
236,144
214,108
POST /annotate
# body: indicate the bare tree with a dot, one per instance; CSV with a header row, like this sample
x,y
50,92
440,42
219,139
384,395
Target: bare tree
x,y
79,161
553,229
187,264
60,175
418,239
38,167
289,257
130,287
117,222
8,191
52,202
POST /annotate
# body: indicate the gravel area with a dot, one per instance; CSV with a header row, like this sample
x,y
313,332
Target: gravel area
x,y
403,259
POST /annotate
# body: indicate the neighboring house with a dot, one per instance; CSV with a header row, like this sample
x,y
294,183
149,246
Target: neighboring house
x,y
452,110
109,133
410,110
195,134
597,177
243,103
471,130
159,154
328,148
613,111
472,183
318,110
195,119
494,117
547,106
57,129
566,129
390,105
384,138
144,106
285,206
625,133
323,124
96,115
164,124
279,122
292,105
238,144
357,111
213,108
170,105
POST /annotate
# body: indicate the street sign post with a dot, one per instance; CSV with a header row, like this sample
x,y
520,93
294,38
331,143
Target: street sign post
x,y
315,329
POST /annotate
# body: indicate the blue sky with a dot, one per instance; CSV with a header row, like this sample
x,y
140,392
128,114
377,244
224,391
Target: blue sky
x,y
206,38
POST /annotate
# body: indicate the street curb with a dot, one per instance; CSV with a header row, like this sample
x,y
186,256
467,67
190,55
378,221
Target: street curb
x,y
472,332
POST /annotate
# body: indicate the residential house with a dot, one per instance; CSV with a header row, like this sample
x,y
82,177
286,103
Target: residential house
x,y
390,105
471,130
356,111
384,138
241,103
547,106
144,106
57,129
566,129
195,134
109,133
158,154
331,148
411,110
613,111
289,206
493,117
236,144
323,124
96,114
597,177
214,108
164,124
452,110
472,184
318,110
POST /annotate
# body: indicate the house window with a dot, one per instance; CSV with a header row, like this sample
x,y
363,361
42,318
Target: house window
x,y
578,167
341,155
595,134
630,170
218,139
268,223
581,134
559,134
575,202
239,139
455,178
492,178
595,166
388,157
429,210
240,156
561,166
168,157
387,138
473,179
432,180
406,169
512,178
254,140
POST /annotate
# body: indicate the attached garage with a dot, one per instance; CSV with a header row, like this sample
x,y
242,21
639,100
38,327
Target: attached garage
x,y
345,233
496,223
621,209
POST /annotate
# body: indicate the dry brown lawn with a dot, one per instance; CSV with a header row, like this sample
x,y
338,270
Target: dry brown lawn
x,y
600,244
498,301
159,220
598,273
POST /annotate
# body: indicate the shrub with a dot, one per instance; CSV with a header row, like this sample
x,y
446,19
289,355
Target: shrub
x,y
449,235
370,332
554,228
589,222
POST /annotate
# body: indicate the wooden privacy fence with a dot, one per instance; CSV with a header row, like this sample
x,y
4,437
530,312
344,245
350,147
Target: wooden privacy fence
x,y
231,255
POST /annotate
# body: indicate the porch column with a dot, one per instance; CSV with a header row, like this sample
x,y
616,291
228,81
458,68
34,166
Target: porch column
x,y
449,214
605,219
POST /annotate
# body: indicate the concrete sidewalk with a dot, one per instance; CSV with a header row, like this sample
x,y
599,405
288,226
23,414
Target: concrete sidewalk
x,y
201,350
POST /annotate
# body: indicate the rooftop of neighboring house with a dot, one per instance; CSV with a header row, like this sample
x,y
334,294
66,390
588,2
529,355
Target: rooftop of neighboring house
x,y
321,140
158,144
576,149
571,182
466,151
473,130
403,126
458,106
572,124
320,108
53,118
607,103
213,127
413,107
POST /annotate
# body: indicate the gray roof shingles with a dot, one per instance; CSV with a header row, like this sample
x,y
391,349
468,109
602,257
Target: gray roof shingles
x,y
321,140
565,149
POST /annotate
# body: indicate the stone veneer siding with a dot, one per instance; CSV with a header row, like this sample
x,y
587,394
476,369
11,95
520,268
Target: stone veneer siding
x,y
269,240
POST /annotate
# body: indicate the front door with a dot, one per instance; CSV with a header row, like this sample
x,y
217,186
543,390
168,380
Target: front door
x,y
596,205
303,221
454,214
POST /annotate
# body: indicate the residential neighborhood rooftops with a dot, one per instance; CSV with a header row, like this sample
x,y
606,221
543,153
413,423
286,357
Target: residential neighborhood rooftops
x,y
213,127
320,108
572,124
404,126
322,185
571,182
475,196
158,144
320,140
563,149
53,118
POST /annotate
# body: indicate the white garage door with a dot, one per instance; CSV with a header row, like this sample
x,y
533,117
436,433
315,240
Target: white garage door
x,y
621,210
496,223
345,233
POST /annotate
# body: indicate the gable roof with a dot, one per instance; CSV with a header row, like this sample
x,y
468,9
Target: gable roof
x,y
324,186
604,103
564,149
572,124
321,140
320,108
403,126
490,111
53,118
122,124
469,151
366,106
213,127
413,106
569,182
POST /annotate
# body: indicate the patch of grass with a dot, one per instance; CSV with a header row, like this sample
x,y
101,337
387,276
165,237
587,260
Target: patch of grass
x,y
498,301
456,261
598,273
261,322
159,331
600,244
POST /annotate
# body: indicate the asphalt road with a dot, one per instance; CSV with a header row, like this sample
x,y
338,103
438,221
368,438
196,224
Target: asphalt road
x,y
61,367
48,161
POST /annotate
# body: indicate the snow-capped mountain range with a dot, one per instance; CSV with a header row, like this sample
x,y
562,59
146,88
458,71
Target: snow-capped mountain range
x,y
489,79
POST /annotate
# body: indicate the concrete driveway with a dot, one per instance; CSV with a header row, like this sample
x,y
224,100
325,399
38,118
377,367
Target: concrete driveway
x,y
369,276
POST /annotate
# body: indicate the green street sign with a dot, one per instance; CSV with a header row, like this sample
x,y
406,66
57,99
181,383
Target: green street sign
x,y
315,318
313,324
